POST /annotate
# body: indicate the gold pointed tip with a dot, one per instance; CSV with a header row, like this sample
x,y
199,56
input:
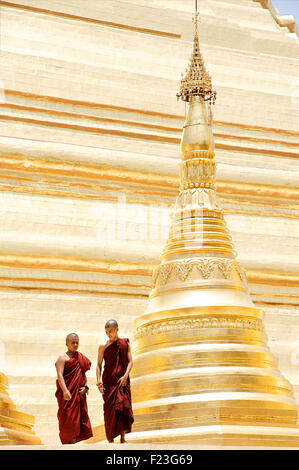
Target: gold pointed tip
x,y
196,80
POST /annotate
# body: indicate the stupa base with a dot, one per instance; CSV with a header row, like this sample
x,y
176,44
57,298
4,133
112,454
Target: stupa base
x,y
15,426
214,425
224,435
228,434
11,437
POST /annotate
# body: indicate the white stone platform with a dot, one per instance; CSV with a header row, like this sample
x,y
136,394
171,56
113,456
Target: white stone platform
x,y
128,446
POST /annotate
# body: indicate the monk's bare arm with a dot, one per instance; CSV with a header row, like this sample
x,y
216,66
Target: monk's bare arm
x,y
59,364
123,380
99,367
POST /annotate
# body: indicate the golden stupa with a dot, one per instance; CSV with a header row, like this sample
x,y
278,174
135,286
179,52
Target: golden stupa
x,y
203,373
16,428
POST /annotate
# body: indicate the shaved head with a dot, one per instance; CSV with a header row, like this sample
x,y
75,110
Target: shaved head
x,y
71,336
111,324
111,329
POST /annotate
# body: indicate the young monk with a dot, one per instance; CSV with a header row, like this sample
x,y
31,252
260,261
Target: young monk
x,y
74,424
115,388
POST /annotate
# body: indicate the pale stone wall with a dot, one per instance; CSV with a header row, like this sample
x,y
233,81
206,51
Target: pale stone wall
x,y
89,151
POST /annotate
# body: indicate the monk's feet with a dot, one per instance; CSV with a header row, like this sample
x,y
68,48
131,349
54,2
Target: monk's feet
x,y
111,442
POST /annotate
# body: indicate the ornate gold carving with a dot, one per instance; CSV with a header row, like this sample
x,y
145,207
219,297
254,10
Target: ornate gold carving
x,y
197,80
197,154
199,195
198,172
198,323
183,270
205,266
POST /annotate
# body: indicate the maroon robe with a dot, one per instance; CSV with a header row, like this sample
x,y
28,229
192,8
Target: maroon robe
x,y
118,414
73,414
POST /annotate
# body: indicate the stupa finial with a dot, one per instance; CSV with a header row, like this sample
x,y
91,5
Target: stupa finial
x,y
197,80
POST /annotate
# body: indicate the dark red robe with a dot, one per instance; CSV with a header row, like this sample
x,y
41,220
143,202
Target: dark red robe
x,y
73,414
118,413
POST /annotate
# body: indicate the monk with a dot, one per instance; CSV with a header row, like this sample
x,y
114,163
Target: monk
x,y
115,388
74,424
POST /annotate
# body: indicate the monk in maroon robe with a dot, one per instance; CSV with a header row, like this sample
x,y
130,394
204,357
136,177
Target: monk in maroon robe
x,y
73,419
115,388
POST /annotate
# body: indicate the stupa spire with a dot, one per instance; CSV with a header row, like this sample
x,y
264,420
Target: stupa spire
x,y
196,81
203,372
198,264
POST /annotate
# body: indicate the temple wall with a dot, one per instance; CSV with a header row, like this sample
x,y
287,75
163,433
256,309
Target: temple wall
x,y
89,151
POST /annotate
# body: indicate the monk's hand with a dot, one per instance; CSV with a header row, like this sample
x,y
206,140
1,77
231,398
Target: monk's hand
x,y
82,390
101,388
67,395
122,381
